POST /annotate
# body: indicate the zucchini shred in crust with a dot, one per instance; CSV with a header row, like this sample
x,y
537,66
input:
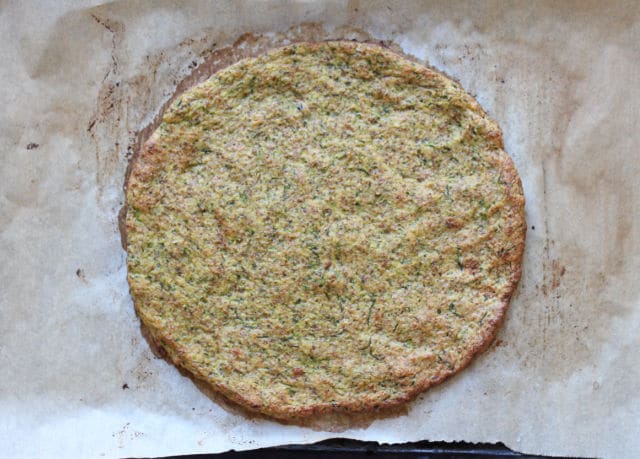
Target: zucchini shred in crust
x,y
328,227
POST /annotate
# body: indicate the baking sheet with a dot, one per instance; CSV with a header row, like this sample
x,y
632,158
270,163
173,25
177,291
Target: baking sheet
x,y
81,80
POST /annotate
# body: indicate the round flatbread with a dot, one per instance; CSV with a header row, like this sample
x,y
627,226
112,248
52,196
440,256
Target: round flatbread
x,y
327,227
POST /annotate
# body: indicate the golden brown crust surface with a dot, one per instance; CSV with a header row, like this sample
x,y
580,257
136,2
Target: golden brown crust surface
x,y
328,227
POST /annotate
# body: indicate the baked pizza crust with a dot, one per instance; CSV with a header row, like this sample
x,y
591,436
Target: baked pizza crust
x,y
170,316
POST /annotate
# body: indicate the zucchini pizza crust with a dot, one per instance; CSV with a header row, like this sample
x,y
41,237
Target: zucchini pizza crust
x,y
328,227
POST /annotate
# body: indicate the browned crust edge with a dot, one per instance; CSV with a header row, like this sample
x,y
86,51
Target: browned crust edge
x,y
149,157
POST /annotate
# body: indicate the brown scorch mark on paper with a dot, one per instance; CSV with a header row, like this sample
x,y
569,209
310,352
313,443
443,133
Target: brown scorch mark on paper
x,y
553,276
110,113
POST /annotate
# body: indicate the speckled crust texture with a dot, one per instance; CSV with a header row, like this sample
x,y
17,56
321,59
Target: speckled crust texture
x,y
145,191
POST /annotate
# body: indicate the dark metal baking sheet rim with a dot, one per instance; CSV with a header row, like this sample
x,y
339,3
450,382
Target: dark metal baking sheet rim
x,y
341,448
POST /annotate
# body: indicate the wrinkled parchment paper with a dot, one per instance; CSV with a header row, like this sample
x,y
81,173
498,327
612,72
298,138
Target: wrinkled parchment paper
x,y
79,81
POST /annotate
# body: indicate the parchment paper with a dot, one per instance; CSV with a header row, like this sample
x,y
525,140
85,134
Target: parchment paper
x,y
79,82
